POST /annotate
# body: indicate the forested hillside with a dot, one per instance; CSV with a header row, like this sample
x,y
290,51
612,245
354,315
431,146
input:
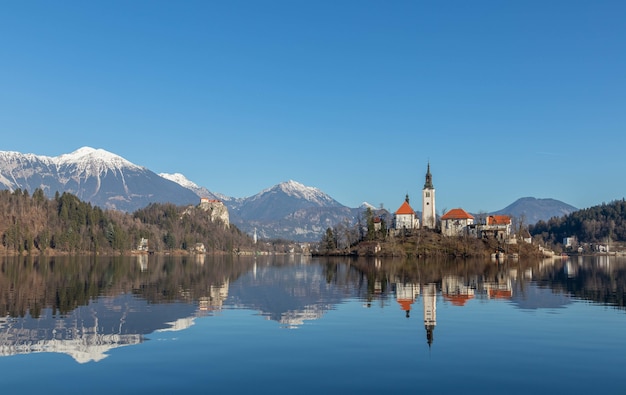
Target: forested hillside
x,y
591,225
65,224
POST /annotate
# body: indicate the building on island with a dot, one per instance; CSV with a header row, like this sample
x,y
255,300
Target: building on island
x,y
456,222
496,226
378,224
429,217
405,217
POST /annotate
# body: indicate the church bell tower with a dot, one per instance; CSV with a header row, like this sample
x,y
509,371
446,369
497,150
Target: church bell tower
x,y
429,218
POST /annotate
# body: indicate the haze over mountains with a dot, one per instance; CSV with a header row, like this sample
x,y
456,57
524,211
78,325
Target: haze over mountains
x,y
287,210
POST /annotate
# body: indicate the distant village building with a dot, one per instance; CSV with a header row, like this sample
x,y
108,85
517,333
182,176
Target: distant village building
x,y
143,245
405,217
216,209
456,222
429,217
199,248
569,241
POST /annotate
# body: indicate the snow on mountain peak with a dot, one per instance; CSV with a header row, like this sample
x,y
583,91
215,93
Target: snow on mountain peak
x,y
94,161
88,154
180,179
367,205
298,190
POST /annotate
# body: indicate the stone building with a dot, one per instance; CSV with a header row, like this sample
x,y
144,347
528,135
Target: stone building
x,y
456,222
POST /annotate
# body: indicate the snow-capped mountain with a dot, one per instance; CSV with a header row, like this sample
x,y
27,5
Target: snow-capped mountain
x,y
296,190
94,175
289,210
283,199
198,190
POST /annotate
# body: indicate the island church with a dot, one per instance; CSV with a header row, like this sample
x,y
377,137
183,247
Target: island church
x,y
456,222
405,216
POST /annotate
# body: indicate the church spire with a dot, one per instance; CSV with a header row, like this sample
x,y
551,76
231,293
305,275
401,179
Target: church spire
x,y
429,179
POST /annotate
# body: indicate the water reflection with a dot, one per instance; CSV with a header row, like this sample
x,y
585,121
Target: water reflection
x,y
85,307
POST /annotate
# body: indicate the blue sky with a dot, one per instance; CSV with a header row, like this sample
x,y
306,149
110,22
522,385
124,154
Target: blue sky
x,y
506,99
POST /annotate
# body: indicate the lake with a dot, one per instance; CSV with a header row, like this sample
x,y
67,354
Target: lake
x,y
302,325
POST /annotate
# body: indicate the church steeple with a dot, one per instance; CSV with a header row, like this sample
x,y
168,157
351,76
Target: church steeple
x,y
429,216
429,179
430,311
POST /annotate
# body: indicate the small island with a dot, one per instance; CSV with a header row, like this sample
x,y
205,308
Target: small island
x,y
454,234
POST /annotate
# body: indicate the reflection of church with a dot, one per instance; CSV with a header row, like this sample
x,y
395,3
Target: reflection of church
x,y
407,293
455,290
430,311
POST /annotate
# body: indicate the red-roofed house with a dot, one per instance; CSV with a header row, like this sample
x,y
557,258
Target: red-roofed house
x,y
497,226
405,217
455,222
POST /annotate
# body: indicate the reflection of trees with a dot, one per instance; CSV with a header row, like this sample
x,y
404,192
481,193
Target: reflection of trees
x,y
380,276
30,284
587,278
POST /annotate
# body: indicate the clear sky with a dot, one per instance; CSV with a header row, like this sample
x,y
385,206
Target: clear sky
x,y
506,99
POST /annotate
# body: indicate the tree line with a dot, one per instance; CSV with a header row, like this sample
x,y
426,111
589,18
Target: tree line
x,y
30,284
596,224
65,224
345,235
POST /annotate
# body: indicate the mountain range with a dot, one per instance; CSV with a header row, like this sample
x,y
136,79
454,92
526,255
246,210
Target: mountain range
x,y
288,210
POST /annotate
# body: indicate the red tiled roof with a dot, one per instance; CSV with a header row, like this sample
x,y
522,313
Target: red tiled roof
x,y
405,304
405,209
500,294
458,300
457,213
498,220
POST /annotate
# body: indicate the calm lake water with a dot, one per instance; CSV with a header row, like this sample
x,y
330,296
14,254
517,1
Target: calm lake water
x,y
302,325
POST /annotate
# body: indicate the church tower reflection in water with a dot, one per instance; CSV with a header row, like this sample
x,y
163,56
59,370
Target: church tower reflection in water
x,y
407,293
430,310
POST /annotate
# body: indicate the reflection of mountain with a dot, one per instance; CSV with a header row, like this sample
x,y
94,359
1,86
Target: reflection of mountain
x,y
289,294
89,332
85,308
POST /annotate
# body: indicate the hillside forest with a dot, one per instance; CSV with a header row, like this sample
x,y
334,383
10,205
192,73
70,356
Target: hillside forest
x,y
65,224
595,225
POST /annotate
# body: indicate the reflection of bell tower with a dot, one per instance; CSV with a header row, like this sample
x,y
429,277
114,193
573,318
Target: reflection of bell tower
x,y
429,219
430,310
